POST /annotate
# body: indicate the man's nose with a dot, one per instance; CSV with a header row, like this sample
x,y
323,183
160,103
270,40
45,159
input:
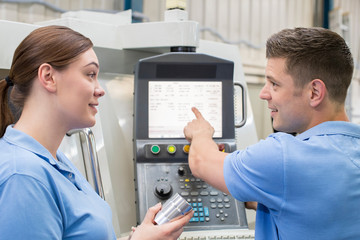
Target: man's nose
x,y
264,93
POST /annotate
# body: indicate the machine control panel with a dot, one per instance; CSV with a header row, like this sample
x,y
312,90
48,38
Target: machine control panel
x,y
166,87
166,151
211,206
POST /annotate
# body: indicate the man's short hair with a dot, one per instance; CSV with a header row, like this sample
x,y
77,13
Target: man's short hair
x,y
314,53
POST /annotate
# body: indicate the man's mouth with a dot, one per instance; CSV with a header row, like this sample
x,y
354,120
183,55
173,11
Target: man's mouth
x,y
273,109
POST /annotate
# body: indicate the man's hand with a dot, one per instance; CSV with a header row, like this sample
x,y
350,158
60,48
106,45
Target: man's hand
x,y
198,127
251,205
205,159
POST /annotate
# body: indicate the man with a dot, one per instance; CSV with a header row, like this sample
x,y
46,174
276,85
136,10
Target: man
x,y
307,186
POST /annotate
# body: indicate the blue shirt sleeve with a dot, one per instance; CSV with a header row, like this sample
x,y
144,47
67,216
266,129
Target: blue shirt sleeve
x,y
31,213
257,173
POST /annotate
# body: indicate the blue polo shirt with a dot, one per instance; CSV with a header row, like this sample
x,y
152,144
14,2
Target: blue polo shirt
x,y
307,187
42,198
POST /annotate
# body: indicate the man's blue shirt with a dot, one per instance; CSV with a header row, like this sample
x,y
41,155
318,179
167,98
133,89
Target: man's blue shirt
x,y
307,187
44,198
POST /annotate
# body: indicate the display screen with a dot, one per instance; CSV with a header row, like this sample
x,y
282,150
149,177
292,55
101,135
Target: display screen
x,y
170,105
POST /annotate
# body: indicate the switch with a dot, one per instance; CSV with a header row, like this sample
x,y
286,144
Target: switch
x,y
171,149
221,147
181,171
186,148
155,149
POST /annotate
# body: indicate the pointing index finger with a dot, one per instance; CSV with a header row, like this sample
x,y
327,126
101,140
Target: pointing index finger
x,y
197,113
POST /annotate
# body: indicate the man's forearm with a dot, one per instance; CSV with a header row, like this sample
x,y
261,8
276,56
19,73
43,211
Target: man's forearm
x,y
206,162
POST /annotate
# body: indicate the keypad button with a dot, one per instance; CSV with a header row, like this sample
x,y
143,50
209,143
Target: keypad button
x,y
206,212
204,193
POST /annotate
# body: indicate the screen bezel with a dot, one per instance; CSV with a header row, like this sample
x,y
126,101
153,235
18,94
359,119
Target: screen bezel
x,y
224,73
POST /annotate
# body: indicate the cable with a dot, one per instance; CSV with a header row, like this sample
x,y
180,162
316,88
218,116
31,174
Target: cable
x,y
135,15
218,35
41,2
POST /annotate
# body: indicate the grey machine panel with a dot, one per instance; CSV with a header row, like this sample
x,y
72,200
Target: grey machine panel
x,y
161,174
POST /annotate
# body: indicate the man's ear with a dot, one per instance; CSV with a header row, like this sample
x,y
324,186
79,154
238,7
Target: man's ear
x,y
46,77
317,92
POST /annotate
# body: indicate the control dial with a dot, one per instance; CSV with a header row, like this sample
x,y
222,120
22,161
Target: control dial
x,y
181,171
163,190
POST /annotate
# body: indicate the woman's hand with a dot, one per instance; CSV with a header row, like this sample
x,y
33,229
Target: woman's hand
x,y
147,230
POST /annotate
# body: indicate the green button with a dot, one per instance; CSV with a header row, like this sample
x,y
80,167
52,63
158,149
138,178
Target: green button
x,y
171,149
155,149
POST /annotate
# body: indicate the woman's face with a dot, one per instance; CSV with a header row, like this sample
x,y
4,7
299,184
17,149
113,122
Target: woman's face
x,y
78,91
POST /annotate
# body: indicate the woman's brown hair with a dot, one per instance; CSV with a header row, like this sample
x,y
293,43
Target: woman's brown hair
x,y
58,46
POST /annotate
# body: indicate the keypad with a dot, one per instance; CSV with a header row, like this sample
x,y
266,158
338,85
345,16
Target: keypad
x,y
204,200
212,208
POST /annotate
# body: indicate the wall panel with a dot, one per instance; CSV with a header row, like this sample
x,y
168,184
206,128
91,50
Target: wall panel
x,y
34,12
247,22
352,9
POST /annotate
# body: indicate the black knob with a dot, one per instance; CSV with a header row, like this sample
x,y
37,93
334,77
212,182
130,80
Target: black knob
x,y
163,190
181,171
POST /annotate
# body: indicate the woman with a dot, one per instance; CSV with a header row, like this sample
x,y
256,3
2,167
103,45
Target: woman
x,y
42,195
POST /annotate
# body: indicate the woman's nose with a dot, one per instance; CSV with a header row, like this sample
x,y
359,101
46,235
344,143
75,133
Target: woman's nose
x,y
99,91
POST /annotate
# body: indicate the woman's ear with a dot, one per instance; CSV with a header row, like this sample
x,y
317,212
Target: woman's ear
x,y
317,92
46,77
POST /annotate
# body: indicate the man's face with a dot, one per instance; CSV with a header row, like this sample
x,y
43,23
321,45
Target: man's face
x,y
288,104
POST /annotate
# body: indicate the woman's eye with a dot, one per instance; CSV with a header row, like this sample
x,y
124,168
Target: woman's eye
x,y
92,75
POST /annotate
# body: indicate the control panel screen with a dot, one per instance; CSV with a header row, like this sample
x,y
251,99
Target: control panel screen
x,y
170,105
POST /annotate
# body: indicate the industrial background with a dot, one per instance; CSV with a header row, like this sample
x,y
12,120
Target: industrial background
x,y
246,23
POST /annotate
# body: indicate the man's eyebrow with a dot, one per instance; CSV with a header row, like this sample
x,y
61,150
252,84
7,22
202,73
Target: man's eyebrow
x,y
269,77
92,63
